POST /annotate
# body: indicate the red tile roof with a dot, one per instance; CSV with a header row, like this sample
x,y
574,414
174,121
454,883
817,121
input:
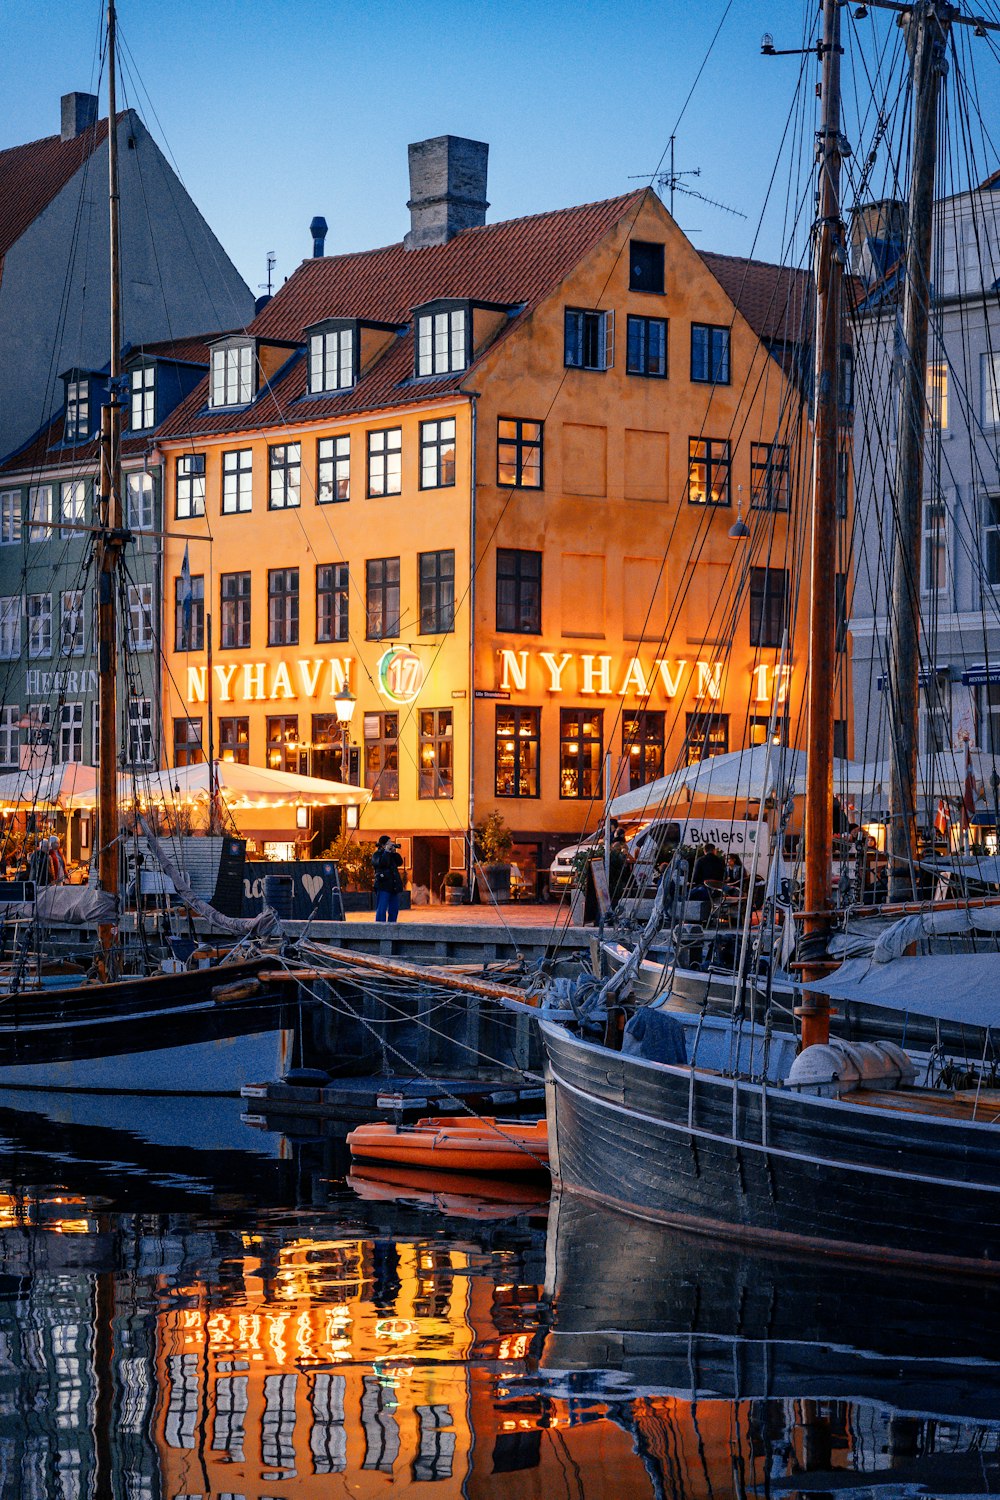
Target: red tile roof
x,y
775,300
32,175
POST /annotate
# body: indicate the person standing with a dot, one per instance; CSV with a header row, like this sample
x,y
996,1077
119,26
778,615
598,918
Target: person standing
x,y
387,863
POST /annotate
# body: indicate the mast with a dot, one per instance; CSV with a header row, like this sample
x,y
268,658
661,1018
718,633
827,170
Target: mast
x,y
927,29
109,542
829,255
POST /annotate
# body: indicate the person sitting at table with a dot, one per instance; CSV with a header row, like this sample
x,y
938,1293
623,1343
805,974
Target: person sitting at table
x,y
709,870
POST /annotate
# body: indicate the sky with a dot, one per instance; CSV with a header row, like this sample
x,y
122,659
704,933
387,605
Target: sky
x,y
272,112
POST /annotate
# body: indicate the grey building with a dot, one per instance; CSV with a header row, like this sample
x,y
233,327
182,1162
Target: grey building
x,y
959,584
177,280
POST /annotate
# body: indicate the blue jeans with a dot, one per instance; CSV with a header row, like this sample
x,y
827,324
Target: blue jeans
x,y
386,906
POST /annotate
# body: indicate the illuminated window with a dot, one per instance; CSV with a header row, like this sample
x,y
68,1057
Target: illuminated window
x,y
706,734
437,592
331,358
333,470
516,752
385,462
283,752
441,341
709,354
646,347
232,375
190,486
937,395
237,482
588,339
435,753
187,742
327,748
285,464
519,590
761,728
332,602
642,745
519,453
381,733
143,382
769,478
283,607
382,598
234,740
71,622
581,752
234,599
437,454
189,614
709,466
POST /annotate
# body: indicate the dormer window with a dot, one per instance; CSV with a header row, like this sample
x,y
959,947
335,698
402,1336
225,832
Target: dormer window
x,y
77,424
442,338
232,375
332,357
143,389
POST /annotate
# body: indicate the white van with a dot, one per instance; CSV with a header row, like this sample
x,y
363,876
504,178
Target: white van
x,y
744,837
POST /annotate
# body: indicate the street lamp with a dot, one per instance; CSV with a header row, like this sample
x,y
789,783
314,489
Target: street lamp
x,y
345,703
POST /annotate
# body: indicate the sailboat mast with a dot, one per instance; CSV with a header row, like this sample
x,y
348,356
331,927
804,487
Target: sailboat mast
x,y
110,539
926,36
829,270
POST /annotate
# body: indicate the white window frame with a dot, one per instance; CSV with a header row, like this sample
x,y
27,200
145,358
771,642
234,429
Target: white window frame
x,y
72,506
10,518
605,337
141,633
143,411
990,529
331,360
189,476
77,402
72,623
11,612
10,734
140,732
284,476
39,617
140,501
441,346
232,375
39,512
237,482
989,372
70,733
333,469
934,546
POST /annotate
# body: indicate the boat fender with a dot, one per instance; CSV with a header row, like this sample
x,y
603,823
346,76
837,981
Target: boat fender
x,y
243,989
656,1036
827,1069
306,1078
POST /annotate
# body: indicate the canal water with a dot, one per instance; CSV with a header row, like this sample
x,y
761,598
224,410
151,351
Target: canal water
x,y
193,1307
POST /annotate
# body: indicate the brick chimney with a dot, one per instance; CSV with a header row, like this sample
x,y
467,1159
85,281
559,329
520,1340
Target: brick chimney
x,y
79,113
447,189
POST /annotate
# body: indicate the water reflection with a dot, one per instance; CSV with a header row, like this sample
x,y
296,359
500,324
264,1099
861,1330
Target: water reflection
x,y
189,1308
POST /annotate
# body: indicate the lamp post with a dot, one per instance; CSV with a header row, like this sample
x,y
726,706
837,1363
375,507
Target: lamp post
x,y
345,703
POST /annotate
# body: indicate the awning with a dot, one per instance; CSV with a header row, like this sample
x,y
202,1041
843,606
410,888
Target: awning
x,y
741,775
963,987
981,673
71,784
239,787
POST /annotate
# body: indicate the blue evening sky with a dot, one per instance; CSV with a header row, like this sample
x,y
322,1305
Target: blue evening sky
x,y
274,112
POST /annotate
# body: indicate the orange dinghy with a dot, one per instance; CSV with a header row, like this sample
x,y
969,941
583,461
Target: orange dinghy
x,y
458,1142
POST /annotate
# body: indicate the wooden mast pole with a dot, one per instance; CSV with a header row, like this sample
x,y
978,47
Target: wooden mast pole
x,y
110,541
829,258
926,35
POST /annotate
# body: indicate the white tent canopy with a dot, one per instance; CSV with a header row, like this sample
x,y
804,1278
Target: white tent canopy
x,y
239,787
741,776
72,784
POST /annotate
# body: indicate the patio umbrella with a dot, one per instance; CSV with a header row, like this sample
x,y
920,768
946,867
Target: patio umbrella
x,y
747,775
239,787
65,786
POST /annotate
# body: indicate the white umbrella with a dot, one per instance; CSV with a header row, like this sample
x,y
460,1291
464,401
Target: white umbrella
x,y
239,787
69,785
747,775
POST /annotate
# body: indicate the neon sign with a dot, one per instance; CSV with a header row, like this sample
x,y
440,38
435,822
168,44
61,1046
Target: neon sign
x,y
400,674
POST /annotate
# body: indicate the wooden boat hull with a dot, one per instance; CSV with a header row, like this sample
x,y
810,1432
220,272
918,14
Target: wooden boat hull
x,y
767,1166
460,1144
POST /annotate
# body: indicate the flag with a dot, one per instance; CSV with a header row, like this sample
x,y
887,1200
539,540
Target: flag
x,y
968,790
942,818
187,594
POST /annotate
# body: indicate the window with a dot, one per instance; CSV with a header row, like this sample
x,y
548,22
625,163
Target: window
x,y
645,267
234,599
237,482
990,380
283,752
437,592
10,627
843,482
646,346
140,616
642,745
991,540
39,724
39,624
769,477
382,598
385,462
234,740
232,376
937,395
581,752
140,732
516,758
71,625
441,341
840,611
709,466
519,590
285,462
437,454
331,359
77,424
187,742
190,486
706,734
710,353
934,548
139,502
382,756
189,614
327,758
332,601
10,734
333,470
143,397
72,505
435,757
519,453
10,518
768,604
70,733
39,512
283,607
762,727
588,339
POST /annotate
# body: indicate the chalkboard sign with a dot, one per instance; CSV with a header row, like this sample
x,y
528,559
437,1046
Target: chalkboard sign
x,y
316,888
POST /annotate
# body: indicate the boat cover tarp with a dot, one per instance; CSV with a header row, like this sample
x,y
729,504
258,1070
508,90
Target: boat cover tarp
x,y
888,943
76,905
963,987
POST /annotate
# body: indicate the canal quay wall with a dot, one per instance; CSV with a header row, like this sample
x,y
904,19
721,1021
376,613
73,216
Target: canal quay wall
x,y
437,935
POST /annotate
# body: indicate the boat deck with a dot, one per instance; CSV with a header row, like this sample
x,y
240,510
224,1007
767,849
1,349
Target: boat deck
x,y
961,1104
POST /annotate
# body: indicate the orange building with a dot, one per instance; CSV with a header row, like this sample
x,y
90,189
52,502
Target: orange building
x,y
531,492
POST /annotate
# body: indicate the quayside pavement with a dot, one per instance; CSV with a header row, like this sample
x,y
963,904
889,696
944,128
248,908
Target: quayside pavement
x,y
457,934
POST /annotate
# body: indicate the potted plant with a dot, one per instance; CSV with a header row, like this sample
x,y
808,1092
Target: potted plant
x,y
455,890
494,842
353,858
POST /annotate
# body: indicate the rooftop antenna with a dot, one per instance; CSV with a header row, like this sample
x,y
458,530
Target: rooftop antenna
x,y
268,285
671,181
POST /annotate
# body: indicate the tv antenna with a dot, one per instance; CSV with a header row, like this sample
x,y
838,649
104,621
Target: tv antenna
x,y
671,181
268,285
